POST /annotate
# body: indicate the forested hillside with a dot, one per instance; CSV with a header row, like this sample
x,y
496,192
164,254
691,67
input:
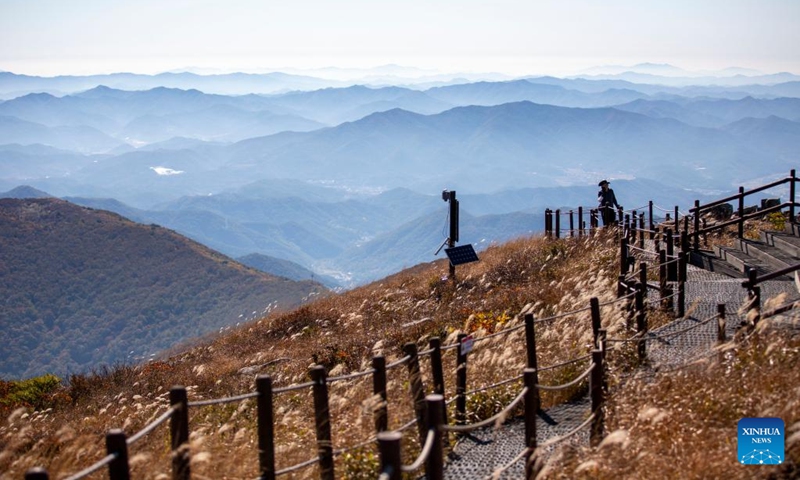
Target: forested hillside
x,y
83,288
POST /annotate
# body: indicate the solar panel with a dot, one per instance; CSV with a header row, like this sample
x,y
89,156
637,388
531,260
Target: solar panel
x,y
461,254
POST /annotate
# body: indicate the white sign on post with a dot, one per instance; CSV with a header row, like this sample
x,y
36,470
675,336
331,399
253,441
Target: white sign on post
x,y
466,344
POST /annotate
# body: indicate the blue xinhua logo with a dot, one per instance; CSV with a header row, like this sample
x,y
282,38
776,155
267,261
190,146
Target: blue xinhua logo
x,y
761,441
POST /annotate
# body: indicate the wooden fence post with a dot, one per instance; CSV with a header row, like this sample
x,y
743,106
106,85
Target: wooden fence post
x,y
530,340
571,224
696,233
179,433
598,397
623,256
437,370
266,428
434,466
379,390
643,278
641,322
461,382
641,230
666,303
672,268
652,222
740,225
417,389
322,421
117,444
558,223
530,376
548,222
791,196
681,284
36,473
677,221
391,459
581,225
594,307
754,293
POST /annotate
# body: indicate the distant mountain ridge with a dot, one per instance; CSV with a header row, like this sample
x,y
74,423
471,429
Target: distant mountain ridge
x,y
85,288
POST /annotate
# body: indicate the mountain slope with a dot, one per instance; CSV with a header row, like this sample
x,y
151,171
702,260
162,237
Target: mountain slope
x,y
84,288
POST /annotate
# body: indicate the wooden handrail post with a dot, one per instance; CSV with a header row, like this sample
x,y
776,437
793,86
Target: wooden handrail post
x,y
721,323
672,269
641,322
594,307
379,390
36,473
531,410
666,303
117,444
179,433
548,222
391,459
461,382
571,224
741,213
641,230
437,372
682,260
696,233
643,278
652,222
581,225
266,428
558,223
598,397
677,220
434,465
791,196
530,341
322,421
623,256
417,389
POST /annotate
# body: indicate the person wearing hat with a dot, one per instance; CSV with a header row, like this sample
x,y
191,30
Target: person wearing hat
x,y
607,202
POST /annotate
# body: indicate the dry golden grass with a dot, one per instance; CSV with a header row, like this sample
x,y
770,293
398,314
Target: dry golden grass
x,y
343,332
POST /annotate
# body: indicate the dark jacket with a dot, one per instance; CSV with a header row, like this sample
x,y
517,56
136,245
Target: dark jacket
x,y
607,199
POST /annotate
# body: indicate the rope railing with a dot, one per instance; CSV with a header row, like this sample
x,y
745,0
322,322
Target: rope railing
x,y
296,467
292,388
572,383
398,362
494,385
93,468
505,331
220,401
499,416
427,448
152,426
351,376
366,442
684,330
618,300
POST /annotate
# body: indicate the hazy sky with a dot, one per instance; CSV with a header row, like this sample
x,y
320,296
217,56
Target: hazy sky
x,y
49,37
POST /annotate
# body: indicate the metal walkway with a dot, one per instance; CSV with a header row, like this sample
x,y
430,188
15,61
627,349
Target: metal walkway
x,y
480,454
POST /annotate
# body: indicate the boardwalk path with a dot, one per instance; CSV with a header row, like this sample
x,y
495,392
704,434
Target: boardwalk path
x,y
478,455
